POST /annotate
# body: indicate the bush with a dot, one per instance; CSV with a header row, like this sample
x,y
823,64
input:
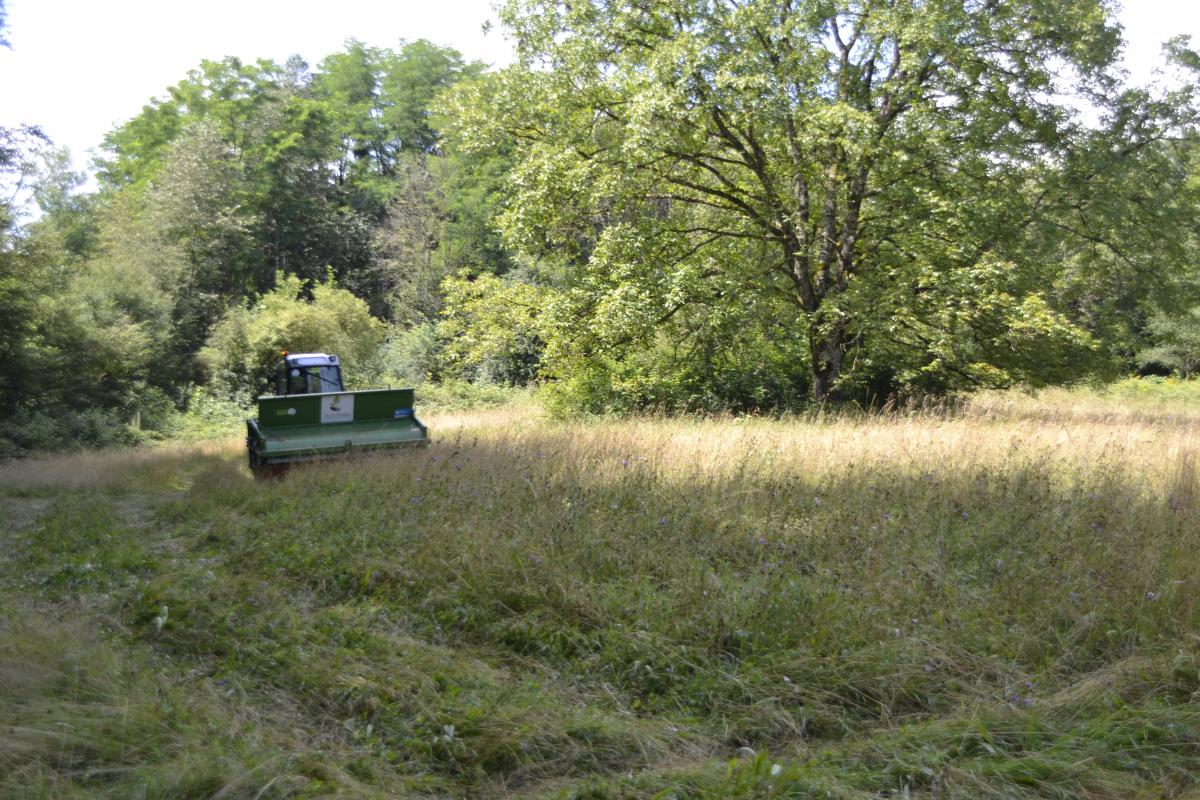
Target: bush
x,y
209,417
492,328
245,344
743,367
411,356
1176,343
32,431
458,395
1156,390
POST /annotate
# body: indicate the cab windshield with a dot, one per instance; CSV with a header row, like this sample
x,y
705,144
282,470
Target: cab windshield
x,y
312,380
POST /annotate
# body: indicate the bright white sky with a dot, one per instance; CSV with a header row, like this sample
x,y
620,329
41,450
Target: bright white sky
x,y
77,67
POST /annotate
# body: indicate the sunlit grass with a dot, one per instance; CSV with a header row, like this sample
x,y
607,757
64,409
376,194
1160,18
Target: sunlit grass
x,y
999,599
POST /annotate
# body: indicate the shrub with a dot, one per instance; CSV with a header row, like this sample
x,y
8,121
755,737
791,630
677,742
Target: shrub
x,y
246,342
1176,343
740,365
411,356
493,328
31,431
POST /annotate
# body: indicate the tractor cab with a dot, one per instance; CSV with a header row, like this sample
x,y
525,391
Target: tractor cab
x,y
307,373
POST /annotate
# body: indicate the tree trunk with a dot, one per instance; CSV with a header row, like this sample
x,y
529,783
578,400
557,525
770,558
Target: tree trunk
x,y
827,349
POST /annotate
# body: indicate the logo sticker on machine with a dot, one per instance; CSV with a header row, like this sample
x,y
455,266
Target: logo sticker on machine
x,y
337,408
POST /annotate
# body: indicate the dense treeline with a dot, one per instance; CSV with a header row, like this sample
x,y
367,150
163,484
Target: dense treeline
x,y
682,205
253,206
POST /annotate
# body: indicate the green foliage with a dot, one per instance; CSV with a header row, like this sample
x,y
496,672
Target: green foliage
x,y
20,278
72,216
411,79
412,355
23,267
883,168
22,151
437,224
59,430
457,395
264,168
242,174
206,416
202,201
1155,390
1176,343
963,339
721,358
493,328
408,270
245,344
94,337
379,101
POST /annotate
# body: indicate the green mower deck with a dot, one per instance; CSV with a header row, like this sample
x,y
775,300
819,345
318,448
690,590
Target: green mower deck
x,y
313,427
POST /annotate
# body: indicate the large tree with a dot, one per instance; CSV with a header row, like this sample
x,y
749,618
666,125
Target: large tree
x,y
881,164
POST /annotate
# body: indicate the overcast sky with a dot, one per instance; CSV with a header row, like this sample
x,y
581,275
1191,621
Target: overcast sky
x,y
77,67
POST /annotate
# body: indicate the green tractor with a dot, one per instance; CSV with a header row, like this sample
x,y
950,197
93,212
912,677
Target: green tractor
x,y
311,417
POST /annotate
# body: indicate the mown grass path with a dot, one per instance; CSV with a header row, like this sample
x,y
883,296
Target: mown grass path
x,y
999,602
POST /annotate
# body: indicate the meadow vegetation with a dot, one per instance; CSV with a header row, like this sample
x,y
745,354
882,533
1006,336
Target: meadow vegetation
x,y
996,599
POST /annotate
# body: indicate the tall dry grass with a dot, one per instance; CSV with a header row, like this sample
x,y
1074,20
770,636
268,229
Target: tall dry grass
x,y
995,599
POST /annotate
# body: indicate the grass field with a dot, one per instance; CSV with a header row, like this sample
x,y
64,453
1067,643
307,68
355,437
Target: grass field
x,y
1000,600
